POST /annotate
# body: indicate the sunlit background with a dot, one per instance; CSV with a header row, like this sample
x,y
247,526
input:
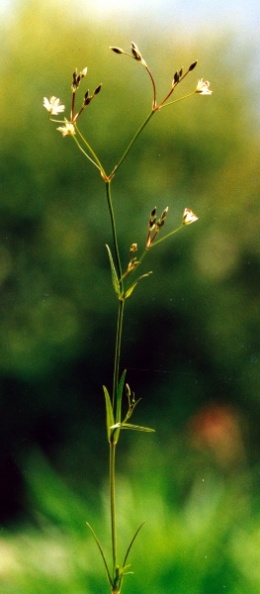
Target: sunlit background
x,y
191,338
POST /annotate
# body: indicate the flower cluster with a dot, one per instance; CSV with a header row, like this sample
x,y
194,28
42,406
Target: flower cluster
x,y
202,86
54,106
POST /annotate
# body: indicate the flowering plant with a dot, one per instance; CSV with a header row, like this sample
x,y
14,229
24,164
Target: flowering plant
x,y
124,279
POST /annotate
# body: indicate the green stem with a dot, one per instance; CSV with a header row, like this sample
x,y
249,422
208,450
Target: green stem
x,y
112,480
166,236
177,100
117,355
147,250
120,315
119,330
85,154
113,225
132,142
95,160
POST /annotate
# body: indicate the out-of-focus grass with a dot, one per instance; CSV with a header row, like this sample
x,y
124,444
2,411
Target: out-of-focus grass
x,y
201,538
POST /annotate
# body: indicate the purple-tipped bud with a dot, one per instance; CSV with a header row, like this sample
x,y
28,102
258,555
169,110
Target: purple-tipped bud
x,y
193,65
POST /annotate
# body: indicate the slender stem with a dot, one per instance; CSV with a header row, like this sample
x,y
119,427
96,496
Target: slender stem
x,y
112,480
132,142
166,236
113,225
119,330
84,153
120,315
72,106
117,355
177,100
163,102
153,83
92,152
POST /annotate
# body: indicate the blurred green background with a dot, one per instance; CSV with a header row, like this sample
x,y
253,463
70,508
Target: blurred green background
x,y
191,335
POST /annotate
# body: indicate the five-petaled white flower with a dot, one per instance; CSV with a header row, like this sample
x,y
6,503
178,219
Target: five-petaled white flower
x,y
189,217
67,130
53,105
203,87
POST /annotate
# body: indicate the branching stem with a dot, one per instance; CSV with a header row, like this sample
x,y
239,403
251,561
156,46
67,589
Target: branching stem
x,y
147,119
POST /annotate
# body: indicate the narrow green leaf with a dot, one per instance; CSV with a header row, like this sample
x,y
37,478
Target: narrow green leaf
x,y
102,554
122,570
115,281
110,421
136,428
119,397
130,290
131,544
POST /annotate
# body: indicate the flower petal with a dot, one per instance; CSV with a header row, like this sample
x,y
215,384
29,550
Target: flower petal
x,y
203,87
189,217
53,105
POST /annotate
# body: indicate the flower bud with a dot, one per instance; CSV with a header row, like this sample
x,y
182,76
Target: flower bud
x,y
135,51
97,90
117,50
193,65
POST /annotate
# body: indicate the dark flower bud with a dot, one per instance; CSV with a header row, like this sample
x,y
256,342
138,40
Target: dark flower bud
x,y
97,90
74,85
135,52
176,77
193,65
160,224
152,219
164,213
117,50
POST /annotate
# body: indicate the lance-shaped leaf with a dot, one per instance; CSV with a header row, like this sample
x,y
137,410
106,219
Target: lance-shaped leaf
x,y
133,427
110,421
130,290
115,281
119,397
131,544
102,554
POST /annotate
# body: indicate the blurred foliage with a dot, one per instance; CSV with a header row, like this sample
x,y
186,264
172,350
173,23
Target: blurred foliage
x,y
191,340
200,544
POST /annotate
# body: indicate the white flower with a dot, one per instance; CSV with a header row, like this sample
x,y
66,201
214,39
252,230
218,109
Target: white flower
x,y
67,130
203,87
53,105
84,72
189,217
